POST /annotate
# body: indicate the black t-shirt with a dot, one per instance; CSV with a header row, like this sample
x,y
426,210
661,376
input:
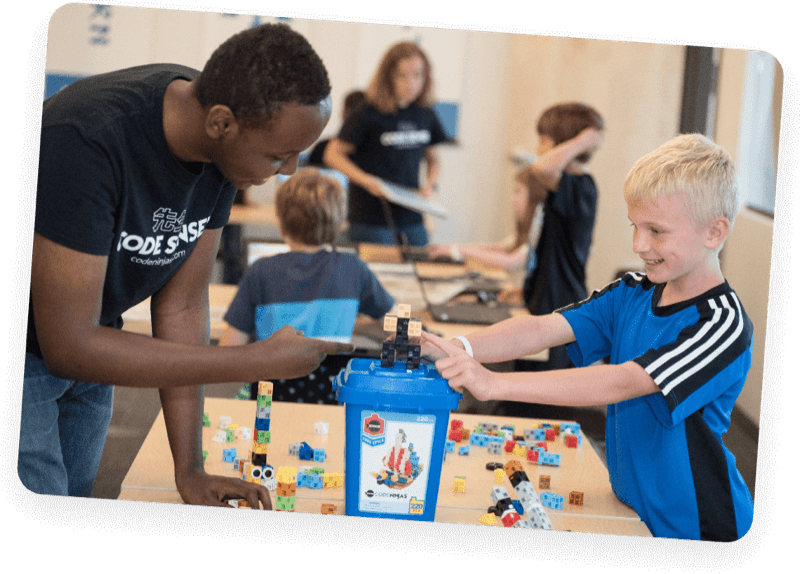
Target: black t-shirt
x,y
559,275
109,185
392,147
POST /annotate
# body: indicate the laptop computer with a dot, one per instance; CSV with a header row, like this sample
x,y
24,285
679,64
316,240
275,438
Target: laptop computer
x,y
485,311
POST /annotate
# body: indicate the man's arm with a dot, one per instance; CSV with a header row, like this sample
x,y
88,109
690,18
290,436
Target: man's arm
x,y
431,171
67,290
336,156
180,314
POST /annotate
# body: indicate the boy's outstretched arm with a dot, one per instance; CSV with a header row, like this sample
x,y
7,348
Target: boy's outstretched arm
x,y
510,339
593,385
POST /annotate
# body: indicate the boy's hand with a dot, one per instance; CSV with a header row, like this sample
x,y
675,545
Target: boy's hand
x,y
592,137
460,370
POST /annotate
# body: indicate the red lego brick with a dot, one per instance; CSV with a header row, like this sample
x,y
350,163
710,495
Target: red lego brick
x,y
572,441
550,434
509,446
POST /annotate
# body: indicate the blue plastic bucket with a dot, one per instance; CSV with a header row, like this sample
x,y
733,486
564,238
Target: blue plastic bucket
x,y
396,423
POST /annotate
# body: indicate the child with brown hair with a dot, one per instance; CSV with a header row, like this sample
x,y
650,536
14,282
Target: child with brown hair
x,y
313,287
387,138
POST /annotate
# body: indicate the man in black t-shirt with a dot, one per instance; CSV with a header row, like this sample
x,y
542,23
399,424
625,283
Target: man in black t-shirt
x,y
137,172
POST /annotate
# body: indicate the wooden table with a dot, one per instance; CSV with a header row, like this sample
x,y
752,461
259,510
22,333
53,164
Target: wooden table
x,y
253,214
151,477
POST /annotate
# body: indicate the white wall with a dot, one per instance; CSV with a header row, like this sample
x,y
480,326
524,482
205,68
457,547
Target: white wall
x,y
502,83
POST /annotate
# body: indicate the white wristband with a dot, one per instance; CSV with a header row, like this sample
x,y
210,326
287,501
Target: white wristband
x,y
467,346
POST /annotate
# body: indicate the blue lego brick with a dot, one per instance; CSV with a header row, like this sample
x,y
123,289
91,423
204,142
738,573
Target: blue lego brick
x,y
305,452
315,481
539,434
550,500
463,449
550,458
262,424
303,479
319,454
449,446
229,455
518,506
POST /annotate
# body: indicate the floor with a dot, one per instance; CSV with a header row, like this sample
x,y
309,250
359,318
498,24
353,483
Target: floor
x,y
136,409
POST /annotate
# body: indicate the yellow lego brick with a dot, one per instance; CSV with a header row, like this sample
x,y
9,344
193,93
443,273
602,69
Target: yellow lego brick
x,y
489,519
404,310
286,474
519,450
260,448
264,388
499,475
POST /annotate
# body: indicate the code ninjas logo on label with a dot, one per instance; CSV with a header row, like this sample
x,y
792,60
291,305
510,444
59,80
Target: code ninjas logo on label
x,y
374,430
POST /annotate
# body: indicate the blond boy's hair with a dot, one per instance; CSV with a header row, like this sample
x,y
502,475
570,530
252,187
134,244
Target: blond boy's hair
x,y
310,207
690,165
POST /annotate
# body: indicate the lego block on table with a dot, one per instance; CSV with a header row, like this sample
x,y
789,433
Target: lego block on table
x,y
494,447
320,428
544,481
260,447
576,498
449,445
519,450
513,466
319,454
224,422
265,388
228,454
499,493
499,475
286,474
456,424
571,441
221,436
463,449
550,458
488,518
206,420
328,509
459,484
264,400
552,500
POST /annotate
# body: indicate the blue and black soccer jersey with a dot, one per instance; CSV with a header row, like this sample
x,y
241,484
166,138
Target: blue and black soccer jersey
x,y
665,454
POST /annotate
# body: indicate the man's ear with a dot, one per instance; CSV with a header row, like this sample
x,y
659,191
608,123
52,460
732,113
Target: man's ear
x,y
220,122
717,232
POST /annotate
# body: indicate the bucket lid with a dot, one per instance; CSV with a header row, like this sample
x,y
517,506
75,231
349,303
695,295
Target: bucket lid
x,y
365,382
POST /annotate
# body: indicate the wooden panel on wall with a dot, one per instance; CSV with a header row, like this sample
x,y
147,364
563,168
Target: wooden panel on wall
x,y
636,87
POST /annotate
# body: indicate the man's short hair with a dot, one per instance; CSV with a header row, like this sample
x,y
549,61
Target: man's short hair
x,y
562,122
258,70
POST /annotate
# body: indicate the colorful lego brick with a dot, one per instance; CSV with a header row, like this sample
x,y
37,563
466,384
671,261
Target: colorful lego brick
x,y
550,458
542,445
494,447
456,424
284,503
509,446
403,311
449,445
319,455
258,458
455,435
265,388
489,426
413,355
263,413
328,509
228,454
463,449
260,447
499,493
229,435
518,507
552,500
390,323
513,466
488,518
262,424
459,484
224,422
464,433
499,475
509,518
571,441
305,452
519,450
264,400
415,327
387,355
286,474
550,434
294,449
539,434
262,437
320,428
576,498
205,455
544,481
206,420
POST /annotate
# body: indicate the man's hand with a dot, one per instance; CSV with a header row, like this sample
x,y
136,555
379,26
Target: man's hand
x,y
288,354
460,370
211,490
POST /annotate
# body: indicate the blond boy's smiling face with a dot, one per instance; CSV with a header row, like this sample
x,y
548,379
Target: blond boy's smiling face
x,y
673,248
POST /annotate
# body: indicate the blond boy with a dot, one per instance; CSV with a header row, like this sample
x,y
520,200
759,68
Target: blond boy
x,y
679,343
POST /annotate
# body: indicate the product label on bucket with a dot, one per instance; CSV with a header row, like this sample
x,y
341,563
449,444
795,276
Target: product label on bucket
x,y
395,456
